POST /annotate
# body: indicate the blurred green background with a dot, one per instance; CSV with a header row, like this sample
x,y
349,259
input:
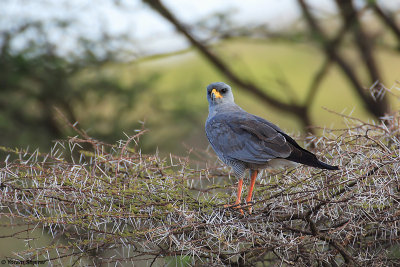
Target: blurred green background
x,y
74,61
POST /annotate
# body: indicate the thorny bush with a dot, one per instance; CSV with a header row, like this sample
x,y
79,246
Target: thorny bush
x,y
108,204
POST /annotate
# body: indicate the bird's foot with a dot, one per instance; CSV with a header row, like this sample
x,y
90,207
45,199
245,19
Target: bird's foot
x,y
249,205
235,206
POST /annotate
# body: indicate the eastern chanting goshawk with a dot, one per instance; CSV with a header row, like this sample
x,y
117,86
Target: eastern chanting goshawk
x,y
245,141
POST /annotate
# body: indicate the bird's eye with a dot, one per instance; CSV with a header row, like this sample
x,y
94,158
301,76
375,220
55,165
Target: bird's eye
x,y
223,90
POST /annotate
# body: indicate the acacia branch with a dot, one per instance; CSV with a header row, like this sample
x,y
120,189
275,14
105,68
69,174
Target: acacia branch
x,y
145,211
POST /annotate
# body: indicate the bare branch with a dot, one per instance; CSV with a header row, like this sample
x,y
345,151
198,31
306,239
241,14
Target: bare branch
x,y
376,108
113,200
386,19
294,109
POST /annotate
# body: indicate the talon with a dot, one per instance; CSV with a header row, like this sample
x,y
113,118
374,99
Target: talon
x,y
250,206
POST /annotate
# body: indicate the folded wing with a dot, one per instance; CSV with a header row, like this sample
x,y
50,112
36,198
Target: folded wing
x,y
246,137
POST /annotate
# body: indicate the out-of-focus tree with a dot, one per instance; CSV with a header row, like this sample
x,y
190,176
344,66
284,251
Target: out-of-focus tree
x,y
36,81
373,99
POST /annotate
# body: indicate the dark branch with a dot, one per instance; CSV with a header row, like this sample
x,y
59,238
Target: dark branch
x,y
378,109
297,110
387,20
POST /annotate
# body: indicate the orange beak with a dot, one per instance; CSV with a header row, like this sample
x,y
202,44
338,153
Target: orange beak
x,y
216,93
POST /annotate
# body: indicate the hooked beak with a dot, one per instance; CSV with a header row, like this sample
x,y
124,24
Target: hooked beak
x,y
215,94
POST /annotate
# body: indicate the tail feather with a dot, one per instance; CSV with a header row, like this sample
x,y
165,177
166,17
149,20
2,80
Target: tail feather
x,y
327,166
310,159
300,155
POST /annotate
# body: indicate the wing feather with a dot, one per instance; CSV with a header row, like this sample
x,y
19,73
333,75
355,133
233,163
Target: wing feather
x,y
245,137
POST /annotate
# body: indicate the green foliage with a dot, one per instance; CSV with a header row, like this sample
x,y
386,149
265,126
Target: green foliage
x,y
180,261
36,80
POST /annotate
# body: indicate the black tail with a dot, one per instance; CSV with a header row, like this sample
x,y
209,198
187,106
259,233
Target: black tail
x,y
300,155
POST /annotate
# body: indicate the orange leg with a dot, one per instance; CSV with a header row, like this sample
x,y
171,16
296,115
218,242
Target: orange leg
x,y
238,197
239,192
254,174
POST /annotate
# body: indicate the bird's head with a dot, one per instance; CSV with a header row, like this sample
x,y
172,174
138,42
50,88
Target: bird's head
x,y
219,93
